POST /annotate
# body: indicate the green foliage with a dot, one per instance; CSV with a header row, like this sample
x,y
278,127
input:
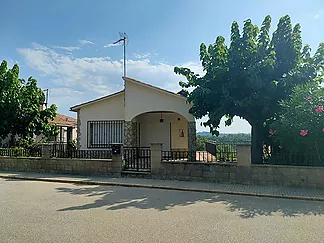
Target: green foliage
x,y
227,139
20,103
249,77
299,113
201,142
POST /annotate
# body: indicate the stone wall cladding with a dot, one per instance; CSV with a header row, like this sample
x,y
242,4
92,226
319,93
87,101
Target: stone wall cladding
x,y
295,176
130,134
78,129
192,145
61,166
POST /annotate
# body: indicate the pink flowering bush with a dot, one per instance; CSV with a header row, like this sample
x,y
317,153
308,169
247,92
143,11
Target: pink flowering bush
x,y
299,127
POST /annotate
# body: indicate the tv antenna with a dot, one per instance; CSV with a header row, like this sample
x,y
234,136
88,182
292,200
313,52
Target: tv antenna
x,y
124,39
46,97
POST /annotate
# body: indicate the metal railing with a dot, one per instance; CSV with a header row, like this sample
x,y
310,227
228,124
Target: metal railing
x,y
224,152
21,152
294,159
137,158
67,151
174,155
190,156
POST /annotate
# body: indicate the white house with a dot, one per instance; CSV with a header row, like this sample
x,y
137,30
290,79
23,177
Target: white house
x,y
136,116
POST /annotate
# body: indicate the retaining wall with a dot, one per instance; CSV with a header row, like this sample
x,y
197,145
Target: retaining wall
x,y
294,176
62,166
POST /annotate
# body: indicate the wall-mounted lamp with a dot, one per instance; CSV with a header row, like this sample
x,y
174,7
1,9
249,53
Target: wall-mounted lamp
x,y
161,119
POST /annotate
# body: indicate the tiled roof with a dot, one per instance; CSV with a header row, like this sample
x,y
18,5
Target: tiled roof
x,y
63,120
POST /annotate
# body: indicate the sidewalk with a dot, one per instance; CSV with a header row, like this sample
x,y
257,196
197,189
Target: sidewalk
x,y
235,189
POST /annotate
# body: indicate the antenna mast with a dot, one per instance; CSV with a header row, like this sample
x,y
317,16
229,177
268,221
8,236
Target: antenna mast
x,y
46,97
124,39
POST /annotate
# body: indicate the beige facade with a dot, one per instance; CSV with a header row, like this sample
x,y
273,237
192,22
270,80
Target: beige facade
x,y
141,98
111,108
140,107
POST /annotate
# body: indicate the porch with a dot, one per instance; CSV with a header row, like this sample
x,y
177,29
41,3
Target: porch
x,y
171,129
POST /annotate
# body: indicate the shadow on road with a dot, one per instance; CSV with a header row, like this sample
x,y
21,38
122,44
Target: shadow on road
x,y
116,198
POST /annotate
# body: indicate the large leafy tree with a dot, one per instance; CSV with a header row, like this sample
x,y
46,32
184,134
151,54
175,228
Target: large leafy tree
x,y
249,77
20,103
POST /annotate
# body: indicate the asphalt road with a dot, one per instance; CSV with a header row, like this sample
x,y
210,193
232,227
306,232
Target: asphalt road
x,y
53,212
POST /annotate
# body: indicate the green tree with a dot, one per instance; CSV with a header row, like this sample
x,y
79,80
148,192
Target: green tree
x,y
299,126
201,142
20,103
249,77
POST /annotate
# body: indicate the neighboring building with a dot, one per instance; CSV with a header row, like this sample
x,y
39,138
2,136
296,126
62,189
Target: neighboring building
x,y
67,127
137,116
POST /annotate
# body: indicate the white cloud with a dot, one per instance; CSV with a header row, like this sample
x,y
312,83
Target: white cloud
x,y
316,16
73,80
142,56
110,45
67,48
84,42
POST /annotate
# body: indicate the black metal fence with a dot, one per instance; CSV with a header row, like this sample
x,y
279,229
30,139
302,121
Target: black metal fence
x,y
137,159
64,150
21,152
295,159
190,156
224,152
174,155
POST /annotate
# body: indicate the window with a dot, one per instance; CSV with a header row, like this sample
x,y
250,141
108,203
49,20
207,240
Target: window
x,y
103,133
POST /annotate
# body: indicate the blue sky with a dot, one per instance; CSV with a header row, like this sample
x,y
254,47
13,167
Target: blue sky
x,y
62,43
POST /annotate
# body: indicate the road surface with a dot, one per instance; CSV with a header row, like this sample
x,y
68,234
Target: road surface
x,y
33,211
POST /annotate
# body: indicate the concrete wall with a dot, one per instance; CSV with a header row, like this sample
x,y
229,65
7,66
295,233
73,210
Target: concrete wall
x,y
167,133
111,109
61,166
141,99
294,176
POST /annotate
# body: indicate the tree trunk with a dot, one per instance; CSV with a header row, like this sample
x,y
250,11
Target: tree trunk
x,y
257,143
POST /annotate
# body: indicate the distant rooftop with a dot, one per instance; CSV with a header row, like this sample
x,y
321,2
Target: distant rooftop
x,y
64,121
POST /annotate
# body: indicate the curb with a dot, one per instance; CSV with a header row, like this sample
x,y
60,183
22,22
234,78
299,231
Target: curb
x,y
174,188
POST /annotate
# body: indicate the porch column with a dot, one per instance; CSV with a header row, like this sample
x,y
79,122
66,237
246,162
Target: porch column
x,y
130,134
192,146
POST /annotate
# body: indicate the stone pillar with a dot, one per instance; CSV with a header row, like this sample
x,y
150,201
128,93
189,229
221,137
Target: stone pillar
x,y
243,154
46,151
130,134
192,146
117,161
156,157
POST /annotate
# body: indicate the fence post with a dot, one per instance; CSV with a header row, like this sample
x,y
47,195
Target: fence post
x,y
243,154
117,159
156,157
46,151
